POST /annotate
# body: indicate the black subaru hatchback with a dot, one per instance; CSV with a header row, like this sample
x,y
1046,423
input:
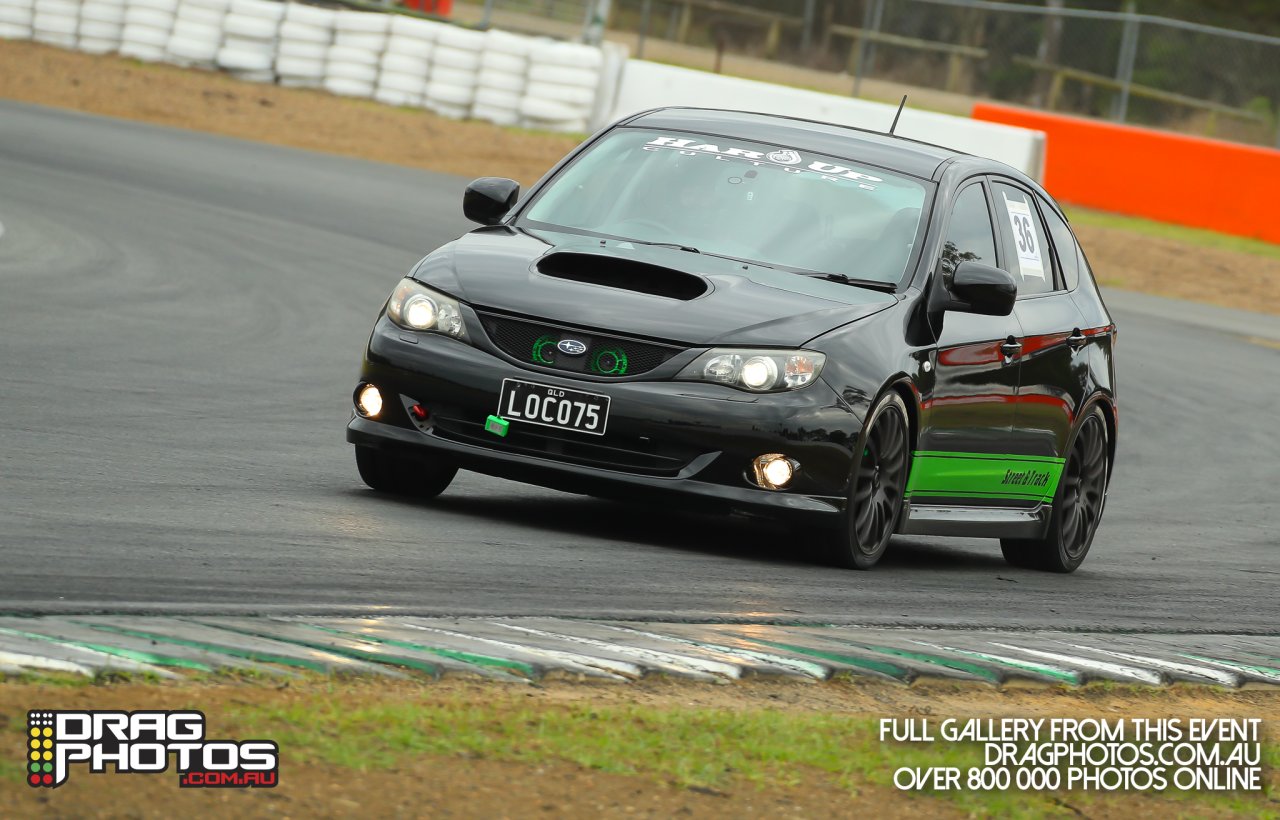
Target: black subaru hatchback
x,y
765,315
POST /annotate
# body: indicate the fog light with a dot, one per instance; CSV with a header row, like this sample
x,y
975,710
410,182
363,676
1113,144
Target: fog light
x,y
774,470
369,401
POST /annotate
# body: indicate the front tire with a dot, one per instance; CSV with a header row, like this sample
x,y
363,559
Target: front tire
x,y
1077,506
876,487
398,476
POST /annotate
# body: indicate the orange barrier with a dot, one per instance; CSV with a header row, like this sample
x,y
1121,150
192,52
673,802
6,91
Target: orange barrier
x,y
1193,181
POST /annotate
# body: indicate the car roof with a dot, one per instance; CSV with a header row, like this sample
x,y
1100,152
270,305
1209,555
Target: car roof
x,y
919,159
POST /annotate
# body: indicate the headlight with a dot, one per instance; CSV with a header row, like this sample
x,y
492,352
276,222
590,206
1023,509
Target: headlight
x,y
414,307
760,371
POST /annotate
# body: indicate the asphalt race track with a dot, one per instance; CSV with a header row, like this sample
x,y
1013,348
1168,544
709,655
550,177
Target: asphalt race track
x,y
181,320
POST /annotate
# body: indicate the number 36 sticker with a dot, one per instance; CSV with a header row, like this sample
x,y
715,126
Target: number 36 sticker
x,y
1024,235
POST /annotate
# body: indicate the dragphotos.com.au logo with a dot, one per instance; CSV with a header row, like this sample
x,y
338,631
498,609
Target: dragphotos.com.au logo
x,y
146,742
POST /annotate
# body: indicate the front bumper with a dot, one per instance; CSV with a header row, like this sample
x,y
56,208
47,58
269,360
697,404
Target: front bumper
x,y
665,440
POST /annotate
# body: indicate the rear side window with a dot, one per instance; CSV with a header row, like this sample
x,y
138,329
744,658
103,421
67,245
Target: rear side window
x,y
1065,244
1031,263
969,234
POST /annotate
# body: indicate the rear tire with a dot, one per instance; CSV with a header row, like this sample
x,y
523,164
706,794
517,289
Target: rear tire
x,y
876,487
413,479
1077,505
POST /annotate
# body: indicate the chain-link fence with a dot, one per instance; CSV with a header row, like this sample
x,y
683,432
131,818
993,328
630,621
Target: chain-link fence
x,y
1125,67
1122,66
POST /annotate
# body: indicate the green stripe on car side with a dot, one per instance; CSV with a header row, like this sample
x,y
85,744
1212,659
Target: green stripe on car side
x,y
983,475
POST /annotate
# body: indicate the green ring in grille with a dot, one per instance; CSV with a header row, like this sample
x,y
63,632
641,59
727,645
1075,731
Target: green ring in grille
x,y
609,361
540,346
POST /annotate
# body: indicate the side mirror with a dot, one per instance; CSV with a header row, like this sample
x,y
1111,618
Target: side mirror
x,y
982,289
488,199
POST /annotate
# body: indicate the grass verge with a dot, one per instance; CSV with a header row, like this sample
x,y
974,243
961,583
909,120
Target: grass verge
x,y
1198,237
752,748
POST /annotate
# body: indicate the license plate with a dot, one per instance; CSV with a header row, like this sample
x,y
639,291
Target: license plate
x,y
553,407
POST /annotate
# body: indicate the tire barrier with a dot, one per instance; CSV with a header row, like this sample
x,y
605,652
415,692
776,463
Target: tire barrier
x,y
148,25
563,79
496,76
197,33
15,19
305,38
501,79
101,26
351,65
55,22
455,70
250,32
406,61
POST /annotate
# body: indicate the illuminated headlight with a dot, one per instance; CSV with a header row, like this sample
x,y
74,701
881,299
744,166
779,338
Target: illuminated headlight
x,y
414,307
774,470
760,371
369,401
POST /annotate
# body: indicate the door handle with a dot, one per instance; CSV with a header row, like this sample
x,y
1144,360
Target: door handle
x,y
1011,348
1077,339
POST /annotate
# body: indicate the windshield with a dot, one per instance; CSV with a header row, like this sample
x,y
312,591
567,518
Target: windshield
x,y
761,203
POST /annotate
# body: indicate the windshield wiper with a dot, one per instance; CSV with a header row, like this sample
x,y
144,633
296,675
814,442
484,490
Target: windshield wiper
x,y
871,284
691,249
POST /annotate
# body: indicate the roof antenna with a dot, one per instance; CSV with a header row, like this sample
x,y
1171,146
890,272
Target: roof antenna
x,y
899,114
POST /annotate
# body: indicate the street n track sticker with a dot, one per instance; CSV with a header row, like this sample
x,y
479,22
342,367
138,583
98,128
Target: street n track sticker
x,y
1024,235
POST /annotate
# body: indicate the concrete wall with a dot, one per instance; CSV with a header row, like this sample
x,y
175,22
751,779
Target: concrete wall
x,y
650,85
1175,178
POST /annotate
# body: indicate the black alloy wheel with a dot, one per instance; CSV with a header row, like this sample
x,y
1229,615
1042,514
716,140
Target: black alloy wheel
x,y
877,485
1077,507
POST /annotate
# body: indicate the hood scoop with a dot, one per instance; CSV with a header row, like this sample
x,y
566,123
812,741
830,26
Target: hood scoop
x,y
623,274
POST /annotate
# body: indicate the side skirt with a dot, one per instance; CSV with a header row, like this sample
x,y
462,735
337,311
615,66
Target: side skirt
x,y
976,522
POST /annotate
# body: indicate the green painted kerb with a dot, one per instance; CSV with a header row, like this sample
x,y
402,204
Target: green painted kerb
x,y
983,475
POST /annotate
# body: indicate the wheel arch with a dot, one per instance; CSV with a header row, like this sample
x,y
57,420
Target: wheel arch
x,y
906,388
1106,403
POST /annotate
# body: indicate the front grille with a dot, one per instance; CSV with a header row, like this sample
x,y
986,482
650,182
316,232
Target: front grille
x,y
611,356
632,454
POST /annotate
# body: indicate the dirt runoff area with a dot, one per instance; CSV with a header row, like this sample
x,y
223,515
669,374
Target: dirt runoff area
x,y
303,118
652,748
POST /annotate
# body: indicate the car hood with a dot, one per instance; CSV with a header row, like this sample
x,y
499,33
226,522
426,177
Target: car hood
x,y
744,304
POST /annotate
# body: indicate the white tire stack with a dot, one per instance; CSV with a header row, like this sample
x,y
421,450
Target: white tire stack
x,y
101,26
358,40
147,27
249,39
402,73
504,68
563,81
455,71
15,19
197,33
305,37
55,22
